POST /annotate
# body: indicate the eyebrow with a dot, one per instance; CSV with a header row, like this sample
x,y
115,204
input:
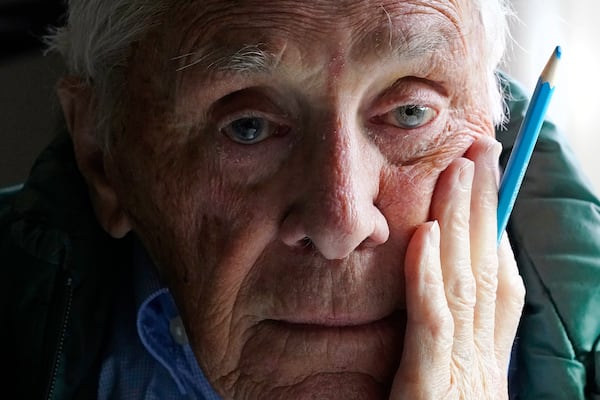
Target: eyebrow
x,y
248,58
417,44
406,44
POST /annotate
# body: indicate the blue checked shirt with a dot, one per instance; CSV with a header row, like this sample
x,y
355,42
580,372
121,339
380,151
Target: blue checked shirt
x,y
148,355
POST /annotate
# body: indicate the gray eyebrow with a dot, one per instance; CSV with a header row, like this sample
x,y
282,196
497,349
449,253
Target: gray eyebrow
x,y
256,58
407,41
422,43
406,44
248,58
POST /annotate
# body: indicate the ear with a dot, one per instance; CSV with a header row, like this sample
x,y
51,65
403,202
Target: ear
x,y
78,104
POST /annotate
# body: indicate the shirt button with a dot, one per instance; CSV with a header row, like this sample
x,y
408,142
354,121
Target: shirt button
x,y
177,331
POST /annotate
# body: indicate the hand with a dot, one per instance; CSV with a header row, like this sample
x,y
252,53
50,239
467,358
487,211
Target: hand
x,y
464,295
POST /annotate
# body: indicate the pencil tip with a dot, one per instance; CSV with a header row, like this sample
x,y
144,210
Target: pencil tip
x,y
558,52
549,72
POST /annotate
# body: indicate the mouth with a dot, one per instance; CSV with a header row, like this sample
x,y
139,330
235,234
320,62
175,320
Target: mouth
x,y
349,344
339,322
352,328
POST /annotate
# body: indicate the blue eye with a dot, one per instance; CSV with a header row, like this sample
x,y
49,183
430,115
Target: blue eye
x,y
248,130
410,116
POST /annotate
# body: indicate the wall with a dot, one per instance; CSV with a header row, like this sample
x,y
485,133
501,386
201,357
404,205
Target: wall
x,y
29,114
575,26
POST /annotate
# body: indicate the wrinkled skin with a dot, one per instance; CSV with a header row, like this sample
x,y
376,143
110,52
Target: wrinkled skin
x,y
339,254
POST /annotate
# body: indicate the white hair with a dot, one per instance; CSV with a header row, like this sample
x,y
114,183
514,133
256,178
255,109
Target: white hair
x,y
97,38
495,16
95,44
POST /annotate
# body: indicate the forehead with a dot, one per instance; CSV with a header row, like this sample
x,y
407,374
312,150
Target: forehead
x,y
213,29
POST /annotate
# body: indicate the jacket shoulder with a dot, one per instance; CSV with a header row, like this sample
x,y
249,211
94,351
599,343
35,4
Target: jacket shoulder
x,y
59,274
555,233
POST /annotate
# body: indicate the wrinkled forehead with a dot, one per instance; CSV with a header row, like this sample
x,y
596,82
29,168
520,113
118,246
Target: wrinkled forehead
x,y
219,29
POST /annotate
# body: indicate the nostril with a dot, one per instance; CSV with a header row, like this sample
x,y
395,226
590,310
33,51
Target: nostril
x,y
307,245
305,242
368,243
332,236
303,245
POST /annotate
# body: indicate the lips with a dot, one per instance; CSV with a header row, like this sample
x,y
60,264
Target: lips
x,y
341,329
325,344
332,322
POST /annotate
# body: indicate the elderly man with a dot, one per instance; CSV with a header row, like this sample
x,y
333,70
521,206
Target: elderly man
x,y
300,201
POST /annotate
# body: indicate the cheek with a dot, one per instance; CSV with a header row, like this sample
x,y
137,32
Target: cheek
x,y
188,216
404,197
205,232
406,189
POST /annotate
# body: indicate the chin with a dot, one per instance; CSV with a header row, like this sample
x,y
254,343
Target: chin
x,y
321,386
316,360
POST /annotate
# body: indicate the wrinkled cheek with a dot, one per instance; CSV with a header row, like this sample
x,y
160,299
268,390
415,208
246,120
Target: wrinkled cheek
x,y
406,190
405,196
213,303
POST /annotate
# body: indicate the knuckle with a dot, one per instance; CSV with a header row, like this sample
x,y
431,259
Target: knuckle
x,y
438,321
487,281
462,292
442,328
514,295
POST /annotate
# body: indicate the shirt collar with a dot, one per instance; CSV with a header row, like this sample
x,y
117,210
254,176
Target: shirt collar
x,y
161,330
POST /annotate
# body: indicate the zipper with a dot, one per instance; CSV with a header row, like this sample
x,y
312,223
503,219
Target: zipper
x,y
58,354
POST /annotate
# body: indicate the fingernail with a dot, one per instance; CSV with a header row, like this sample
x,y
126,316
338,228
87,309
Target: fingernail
x,y
434,233
434,229
495,149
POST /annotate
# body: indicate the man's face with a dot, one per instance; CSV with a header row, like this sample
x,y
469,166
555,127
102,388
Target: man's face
x,y
275,158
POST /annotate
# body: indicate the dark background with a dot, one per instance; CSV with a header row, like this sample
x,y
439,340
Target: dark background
x,y
29,110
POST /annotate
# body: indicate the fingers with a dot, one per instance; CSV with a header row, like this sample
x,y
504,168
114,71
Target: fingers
x,y
484,259
451,207
509,304
429,331
463,294
500,290
485,311
467,215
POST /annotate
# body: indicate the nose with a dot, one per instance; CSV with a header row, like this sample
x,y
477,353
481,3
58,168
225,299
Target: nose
x,y
335,208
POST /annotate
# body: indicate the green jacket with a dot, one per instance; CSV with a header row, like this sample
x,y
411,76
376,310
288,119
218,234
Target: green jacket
x,y
59,272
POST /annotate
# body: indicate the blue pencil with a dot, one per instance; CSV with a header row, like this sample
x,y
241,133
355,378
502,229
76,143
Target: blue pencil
x,y
525,141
